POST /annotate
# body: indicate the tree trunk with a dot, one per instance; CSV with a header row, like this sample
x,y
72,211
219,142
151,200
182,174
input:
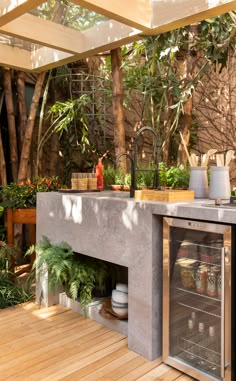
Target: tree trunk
x,y
21,108
54,154
186,70
167,117
3,173
185,130
11,123
25,154
117,106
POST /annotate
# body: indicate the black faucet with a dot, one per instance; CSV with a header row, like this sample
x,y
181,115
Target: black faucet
x,y
132,170
156,169
133,161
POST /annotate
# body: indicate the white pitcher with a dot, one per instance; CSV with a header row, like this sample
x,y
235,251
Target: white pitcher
x,y
219,183
198,181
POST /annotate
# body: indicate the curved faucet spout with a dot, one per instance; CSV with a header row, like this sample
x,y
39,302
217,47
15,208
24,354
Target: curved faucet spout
x,y
132,169
156,169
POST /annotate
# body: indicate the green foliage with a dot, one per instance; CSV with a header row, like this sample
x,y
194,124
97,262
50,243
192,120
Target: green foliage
x,y
65,115
24,195
114,176
217,37
154,76
77,273
12,291
7,253
174,177
145,176
233,192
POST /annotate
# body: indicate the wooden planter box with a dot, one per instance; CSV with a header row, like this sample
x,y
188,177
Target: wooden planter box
x,y
167,195
24,217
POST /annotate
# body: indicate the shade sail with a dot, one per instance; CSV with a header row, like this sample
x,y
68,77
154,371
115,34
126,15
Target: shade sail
x,y
36,35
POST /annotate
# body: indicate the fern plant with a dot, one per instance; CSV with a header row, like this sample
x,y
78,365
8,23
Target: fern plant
x,y
12,290
79,274
8,254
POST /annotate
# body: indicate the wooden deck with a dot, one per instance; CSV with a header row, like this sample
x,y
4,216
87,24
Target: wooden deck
x,y
48,344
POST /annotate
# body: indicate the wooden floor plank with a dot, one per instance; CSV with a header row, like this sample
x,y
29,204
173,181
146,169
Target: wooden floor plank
x,y
156,373
95,365
57,344
140,371
125,368
112,367
52,352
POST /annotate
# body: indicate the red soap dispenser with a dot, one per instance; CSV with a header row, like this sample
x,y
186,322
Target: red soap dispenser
x,y
99,174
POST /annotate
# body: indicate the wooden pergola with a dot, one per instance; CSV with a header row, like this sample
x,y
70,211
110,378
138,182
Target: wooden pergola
x,y
31,43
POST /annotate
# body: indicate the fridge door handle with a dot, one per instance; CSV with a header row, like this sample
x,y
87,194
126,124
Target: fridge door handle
x,y
223,312
225,263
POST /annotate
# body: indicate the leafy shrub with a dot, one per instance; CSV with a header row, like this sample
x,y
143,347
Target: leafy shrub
x,y
12,291
174,177
24,195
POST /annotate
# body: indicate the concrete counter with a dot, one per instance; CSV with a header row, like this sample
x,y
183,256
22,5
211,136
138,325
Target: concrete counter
x,y
126,232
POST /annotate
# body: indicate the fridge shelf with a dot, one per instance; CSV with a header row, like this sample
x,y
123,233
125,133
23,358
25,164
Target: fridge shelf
x,y
200,303
198,294
186,344
217,264
200,310
199,362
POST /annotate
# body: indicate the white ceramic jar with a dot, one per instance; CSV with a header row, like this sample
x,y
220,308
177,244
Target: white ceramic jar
x,y
198,182
219,183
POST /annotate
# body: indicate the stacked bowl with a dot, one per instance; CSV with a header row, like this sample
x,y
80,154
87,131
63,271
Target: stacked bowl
x,y
119,300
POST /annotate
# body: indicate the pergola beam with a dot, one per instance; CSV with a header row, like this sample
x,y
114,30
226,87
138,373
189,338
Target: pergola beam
x,y
128,20
11,9
135,13
105,35
43,58
46,33
169,18
15,57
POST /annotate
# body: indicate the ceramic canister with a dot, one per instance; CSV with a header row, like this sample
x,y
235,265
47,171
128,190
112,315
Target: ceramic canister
x,y
219,183
198,182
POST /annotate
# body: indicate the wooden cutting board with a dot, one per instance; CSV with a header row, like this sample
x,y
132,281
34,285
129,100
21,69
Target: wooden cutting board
x,y
166,195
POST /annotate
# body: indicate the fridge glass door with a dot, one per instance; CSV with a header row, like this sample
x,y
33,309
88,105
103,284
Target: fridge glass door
x,y
196,304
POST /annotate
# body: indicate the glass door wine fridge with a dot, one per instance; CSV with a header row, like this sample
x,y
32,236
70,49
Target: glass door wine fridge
x,y
197,298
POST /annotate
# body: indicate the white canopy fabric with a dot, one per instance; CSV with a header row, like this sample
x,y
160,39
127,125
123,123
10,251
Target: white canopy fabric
x,y
36,35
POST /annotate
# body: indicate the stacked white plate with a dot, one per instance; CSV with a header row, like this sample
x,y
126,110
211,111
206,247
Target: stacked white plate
x,y
119,300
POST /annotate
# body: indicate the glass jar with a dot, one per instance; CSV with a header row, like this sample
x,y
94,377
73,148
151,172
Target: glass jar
x,y
201,279
212,275
187,274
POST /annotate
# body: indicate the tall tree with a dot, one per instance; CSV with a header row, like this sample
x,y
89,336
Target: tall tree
x,y
25,153
186,64
117,106
11,122
21,100
3,173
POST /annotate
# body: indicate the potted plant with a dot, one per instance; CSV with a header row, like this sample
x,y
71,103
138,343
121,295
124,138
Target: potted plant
x,y
81,276
23,195
115,179
20,199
